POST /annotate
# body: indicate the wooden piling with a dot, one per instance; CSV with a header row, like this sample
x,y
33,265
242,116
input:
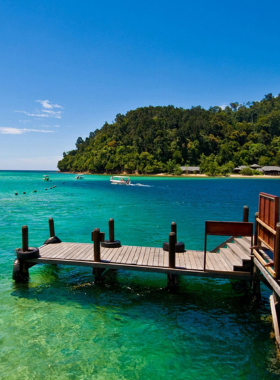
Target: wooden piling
x,y
172,242
277,252
51,226
256,230
174,229
111,230
245,214
24,238
96,247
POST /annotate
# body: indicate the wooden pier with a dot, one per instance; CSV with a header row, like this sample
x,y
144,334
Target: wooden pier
x,y
147,259
243,256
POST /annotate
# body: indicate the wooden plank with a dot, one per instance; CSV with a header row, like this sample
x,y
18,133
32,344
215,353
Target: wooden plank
x,y
131,254
126,254
104,253
88,255
160,257
60,252
266,226
146,256
274,319
118,254
165,258
150,261
141,256
263,262
198,256
192,260
156,258
54,250
209,261
79,249
188,263
180,260
113,252
198,273
228,228
136,256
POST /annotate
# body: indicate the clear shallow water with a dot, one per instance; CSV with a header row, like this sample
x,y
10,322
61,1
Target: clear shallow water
x,y
62,326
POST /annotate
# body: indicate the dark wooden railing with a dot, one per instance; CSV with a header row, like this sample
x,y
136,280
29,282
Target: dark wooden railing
x,y
267,232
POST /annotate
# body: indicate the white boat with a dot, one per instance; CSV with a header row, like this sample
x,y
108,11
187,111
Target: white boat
x,y
79,176
46,177
120,180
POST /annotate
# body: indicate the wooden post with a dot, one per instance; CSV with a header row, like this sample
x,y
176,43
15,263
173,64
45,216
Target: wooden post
x,y
96,239
174,229
172,242
102,236
277,252
51,226
256,284
245,214
256,243
24,238
111,230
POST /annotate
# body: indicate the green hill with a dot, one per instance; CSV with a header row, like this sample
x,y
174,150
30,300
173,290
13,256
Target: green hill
x,y
161,139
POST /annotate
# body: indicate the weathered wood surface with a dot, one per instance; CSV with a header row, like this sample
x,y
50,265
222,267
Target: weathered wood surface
x,y
139,258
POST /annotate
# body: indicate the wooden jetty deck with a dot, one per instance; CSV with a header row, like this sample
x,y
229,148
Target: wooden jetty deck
x,y
144,259
248,256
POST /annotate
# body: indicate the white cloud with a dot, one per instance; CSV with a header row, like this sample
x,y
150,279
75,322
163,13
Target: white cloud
x,y
19,131
46,110
47,104
223,106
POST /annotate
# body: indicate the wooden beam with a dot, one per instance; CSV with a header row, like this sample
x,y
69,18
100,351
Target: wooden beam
x,y
275,319
274,284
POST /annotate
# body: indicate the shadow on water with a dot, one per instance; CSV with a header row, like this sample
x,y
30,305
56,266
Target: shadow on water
x,y
128,289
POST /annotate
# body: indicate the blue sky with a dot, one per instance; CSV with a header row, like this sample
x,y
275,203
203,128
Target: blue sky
x,y
66,67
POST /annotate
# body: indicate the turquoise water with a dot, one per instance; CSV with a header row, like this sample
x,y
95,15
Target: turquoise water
x,y
63,326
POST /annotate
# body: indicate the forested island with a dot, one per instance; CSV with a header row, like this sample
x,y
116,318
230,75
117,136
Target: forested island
x,y
151,140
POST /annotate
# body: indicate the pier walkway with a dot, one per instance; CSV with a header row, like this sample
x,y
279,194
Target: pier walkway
x,y
149,259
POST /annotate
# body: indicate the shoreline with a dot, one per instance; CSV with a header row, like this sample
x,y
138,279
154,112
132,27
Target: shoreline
x,y
162,175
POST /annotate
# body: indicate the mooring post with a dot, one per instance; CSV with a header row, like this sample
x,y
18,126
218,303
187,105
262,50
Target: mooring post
x,y
256,230
24,238
172,279
245,214
51,226
96,247
174,229
20,268
256,284
111,230
277,253
172,242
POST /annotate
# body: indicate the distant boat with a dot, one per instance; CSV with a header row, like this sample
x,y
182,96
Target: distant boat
x,y
79,177
46,177
120,180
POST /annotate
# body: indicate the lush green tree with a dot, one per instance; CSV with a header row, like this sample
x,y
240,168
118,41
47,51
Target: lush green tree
x,y
158,139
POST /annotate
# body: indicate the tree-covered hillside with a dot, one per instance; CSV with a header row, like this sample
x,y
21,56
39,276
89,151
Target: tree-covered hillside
x,y
160,139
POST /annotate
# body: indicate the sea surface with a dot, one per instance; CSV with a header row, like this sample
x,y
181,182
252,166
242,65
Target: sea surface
x,y
61,325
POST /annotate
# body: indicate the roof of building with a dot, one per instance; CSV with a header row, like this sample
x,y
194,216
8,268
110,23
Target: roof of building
x,y
190,168
271,168
241,167
255,166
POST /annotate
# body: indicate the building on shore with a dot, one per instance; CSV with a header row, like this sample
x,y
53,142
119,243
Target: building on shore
x,y
271,170
190,169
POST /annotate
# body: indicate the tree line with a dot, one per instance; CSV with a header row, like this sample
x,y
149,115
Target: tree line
x,y
152,140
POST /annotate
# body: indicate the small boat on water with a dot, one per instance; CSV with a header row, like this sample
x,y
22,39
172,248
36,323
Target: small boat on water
x,y
80,176
46,177
120,180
